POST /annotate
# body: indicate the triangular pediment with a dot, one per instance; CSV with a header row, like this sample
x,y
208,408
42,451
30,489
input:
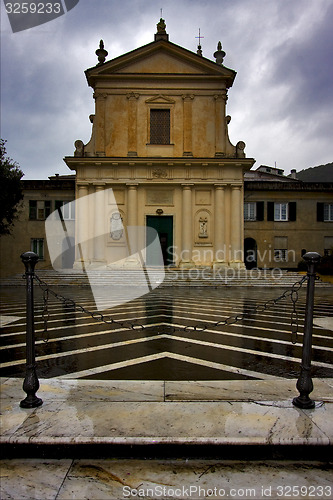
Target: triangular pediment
x,y
160,58
160,99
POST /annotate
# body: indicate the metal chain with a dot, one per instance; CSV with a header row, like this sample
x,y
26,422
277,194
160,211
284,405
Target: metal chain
x,y
71,303
98,316
45,314
293,293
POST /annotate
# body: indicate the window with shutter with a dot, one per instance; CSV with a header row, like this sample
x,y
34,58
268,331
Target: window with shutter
x,y
66,209
250,210
39,210
270,210
37,246
160,126
320,211
32,209
280,211
260,210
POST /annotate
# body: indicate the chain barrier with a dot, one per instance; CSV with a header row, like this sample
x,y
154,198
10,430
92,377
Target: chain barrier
x,y
293,293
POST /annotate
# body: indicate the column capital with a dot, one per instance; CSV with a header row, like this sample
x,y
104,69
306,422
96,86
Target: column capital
x,y
222,96
187,186
188,97
220,185
100,95
132,96
132,185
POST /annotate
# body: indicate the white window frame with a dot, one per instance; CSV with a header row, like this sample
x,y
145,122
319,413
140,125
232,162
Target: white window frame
x,y
281,212
328,212
70,206
250,210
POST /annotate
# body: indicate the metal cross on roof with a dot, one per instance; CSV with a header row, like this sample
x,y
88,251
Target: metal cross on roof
x,y
199,37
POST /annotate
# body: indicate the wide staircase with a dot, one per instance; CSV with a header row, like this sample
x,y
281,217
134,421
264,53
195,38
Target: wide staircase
x,y
198,277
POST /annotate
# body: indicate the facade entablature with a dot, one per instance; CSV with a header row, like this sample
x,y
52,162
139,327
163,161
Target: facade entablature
x,y
159,171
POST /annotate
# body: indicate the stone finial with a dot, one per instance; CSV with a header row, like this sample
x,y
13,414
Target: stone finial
x,y
219,54
101,53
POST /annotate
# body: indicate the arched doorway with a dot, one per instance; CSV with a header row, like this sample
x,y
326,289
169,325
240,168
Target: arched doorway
x,y
250,253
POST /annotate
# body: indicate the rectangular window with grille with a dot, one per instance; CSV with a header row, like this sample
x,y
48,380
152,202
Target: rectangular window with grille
x,y
160,126
281,248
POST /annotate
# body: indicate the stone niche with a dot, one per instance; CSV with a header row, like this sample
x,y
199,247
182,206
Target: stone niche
x,y
203,229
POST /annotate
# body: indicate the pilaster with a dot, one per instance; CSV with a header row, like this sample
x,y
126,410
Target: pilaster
x,y
132,100
100,99
187,124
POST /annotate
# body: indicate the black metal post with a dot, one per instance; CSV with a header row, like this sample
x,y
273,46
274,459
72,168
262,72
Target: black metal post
x,y
304,383
31,382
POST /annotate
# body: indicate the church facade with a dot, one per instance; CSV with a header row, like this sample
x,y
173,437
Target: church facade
x,y
160,142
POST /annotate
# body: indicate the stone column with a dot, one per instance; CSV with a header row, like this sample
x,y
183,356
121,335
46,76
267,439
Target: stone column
x,y
81,227
132,124
187,126
187,223
99,120
132,220
99,225
220,256
237,257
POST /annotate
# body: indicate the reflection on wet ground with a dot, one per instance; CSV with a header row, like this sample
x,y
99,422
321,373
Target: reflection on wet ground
x,y
259,346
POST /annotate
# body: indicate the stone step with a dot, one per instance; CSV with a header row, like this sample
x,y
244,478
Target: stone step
x,y
173,278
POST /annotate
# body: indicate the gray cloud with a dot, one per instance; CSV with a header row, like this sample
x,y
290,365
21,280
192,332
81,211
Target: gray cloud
x,y
280,103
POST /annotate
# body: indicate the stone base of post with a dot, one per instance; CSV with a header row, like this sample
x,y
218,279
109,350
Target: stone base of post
x,y
79,265
186,264
220,264
237,264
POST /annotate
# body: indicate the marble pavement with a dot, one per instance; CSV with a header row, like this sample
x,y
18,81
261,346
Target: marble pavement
x,y
130,414
156,412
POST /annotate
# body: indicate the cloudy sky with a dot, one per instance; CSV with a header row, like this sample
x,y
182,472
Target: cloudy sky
x,y
281,102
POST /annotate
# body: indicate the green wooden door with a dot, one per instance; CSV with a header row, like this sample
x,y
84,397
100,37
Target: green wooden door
x,y
164,227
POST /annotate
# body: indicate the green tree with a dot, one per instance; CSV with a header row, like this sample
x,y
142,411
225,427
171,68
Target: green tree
x,y
10,190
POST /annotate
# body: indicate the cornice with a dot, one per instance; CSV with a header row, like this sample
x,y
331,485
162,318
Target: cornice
x,y
154,161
